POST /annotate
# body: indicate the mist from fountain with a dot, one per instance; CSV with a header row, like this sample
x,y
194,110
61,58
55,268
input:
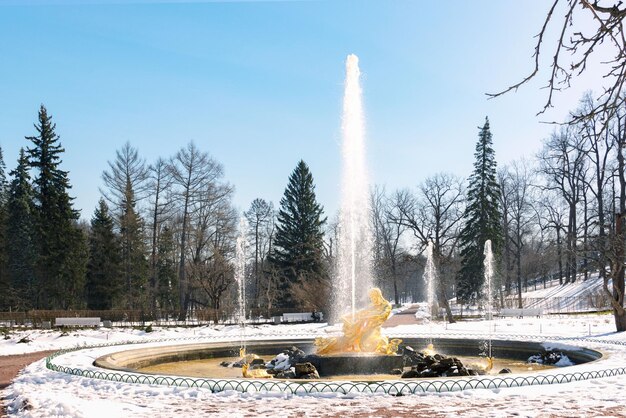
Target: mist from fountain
x,y
430,276
354,236
240,277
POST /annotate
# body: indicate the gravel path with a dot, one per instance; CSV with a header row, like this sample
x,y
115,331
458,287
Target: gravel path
x,y
10,366
406,317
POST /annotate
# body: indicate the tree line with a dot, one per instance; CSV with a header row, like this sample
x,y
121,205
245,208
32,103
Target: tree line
x,y
163,235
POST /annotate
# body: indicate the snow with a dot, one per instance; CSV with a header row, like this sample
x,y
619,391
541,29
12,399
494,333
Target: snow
x,y
38,391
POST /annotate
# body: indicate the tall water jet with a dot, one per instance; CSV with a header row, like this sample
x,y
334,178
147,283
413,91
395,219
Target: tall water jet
x,y
355,237
430,276
240,278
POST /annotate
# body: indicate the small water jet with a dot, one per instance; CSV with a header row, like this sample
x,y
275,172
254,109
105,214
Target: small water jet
x,y
240,278
488,264
430,276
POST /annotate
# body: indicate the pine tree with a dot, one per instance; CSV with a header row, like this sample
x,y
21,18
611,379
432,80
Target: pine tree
x,y
103,268
298,245
19,237
481,217
61,252
4,196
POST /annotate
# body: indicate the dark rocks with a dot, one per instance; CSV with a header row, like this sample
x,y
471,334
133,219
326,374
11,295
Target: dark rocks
x,y
257,361
295,355
504,371
436,365
396,371
292,364
409,374
549,357
284,374
305,368
306,371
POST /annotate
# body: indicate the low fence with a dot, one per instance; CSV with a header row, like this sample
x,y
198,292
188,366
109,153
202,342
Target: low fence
x,y
568,304
132,318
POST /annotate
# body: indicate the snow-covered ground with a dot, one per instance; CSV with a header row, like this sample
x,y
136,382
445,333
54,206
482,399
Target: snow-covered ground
x,y
38,391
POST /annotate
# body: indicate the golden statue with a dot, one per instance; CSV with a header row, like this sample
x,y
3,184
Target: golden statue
x,y
361,332
246,359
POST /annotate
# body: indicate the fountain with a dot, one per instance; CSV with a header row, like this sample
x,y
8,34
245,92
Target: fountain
x,y
355,237
240,278
361,353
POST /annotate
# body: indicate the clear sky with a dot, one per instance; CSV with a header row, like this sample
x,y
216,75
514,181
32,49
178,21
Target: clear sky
x,y
258,84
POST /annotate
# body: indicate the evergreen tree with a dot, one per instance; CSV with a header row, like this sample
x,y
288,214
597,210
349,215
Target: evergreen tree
x,y
481,218
61,252
19,237
134,262
4,195
103,268
166,278
298,245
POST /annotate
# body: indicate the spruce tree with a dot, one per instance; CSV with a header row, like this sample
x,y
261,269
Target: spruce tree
x,y
103,268
298,245
61,251
19,237
4,195
481,219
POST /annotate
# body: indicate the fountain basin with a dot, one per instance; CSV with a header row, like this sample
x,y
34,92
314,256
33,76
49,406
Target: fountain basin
x,y
352,367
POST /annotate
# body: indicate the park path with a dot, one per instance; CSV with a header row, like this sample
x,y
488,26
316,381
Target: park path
x,y
406,317
10,366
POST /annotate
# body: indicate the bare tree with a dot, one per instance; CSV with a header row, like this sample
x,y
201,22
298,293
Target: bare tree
x,y
577,48
212,245
126,172
161,205
193,171
564,165
517,185
126,186
550,213
389,226
436,215
616,251
599,148
260,217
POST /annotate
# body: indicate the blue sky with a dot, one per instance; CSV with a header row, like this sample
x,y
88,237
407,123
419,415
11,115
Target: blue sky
x,y
258,84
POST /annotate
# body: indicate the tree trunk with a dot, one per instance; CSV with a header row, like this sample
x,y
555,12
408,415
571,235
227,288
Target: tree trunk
x,y
153,258
183,286
443,301
559,252
618,263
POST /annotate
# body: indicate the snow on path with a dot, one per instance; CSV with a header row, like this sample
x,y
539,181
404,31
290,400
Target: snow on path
x,y
38,392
